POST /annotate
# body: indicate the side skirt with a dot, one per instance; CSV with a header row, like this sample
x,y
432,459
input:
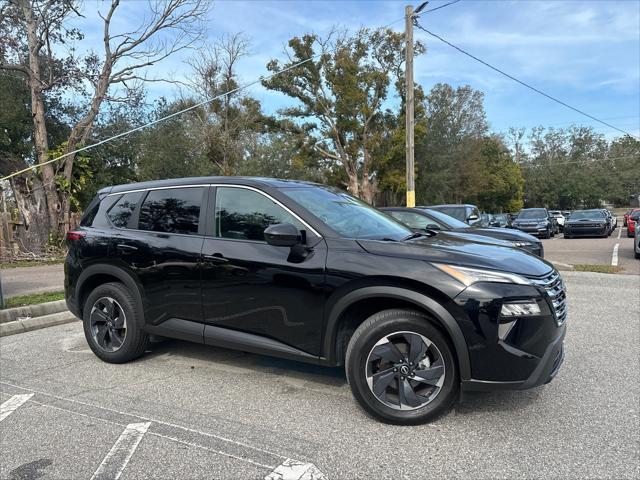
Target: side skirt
x,y
223,337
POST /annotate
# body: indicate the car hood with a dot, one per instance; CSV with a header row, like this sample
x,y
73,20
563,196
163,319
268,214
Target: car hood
x,y
586,220
507,234
470,235
530,220
458,251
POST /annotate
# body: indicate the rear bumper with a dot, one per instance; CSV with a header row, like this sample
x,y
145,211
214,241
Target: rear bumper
x,y
546,370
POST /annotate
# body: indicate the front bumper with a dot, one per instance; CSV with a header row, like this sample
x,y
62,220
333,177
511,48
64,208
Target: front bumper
x,y
586,231
531,230
512,352
546,370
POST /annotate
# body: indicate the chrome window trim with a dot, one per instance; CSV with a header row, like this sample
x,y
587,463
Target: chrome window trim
x,y
230,185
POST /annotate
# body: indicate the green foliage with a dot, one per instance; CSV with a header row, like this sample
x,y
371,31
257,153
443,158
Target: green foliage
x,y
576,167
80,179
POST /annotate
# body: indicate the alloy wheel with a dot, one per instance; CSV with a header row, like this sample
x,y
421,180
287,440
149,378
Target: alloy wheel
x,y
405,370
108,324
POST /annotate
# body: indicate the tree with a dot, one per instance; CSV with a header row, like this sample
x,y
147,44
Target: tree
x,y
31,29
453,120
341,91
228,123
172,148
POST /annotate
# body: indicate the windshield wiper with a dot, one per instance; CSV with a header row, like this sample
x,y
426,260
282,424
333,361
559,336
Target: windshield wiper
x,y
417,235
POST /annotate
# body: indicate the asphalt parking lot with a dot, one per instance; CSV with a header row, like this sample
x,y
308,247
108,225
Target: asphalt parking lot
x,y
186,411
594,251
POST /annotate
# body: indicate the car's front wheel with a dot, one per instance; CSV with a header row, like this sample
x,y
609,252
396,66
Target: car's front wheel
x,y
112,324
401,367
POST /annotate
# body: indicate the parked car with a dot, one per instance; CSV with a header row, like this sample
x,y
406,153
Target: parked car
x,y
427,219
535,221
587,223
636,242
566,214
500,220
465,213
309,273
557,214
609,217
632,222
625,217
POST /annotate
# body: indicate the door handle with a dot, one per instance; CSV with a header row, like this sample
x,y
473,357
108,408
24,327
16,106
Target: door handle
x,y
124,246
215,258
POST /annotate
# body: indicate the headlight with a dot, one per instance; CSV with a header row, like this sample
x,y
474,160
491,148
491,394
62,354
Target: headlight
x,y
522,244
543,224
469,276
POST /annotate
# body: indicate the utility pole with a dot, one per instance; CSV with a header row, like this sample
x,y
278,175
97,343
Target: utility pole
x,y
409,114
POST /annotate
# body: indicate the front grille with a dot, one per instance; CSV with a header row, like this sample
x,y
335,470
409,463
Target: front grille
x,y
554,286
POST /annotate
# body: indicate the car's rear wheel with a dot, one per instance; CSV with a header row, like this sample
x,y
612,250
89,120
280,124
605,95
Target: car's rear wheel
x,y
401,368
112,324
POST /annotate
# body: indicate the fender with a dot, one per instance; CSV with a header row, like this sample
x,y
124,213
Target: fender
x,y
119,273
442,316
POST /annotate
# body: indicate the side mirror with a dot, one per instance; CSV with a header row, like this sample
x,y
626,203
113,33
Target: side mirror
x,y
473,217
282,235
432,226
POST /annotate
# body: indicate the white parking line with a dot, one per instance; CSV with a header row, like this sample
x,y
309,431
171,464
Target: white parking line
x,y
150,419
159,435
8,407
118,457
293,470
614,257
619,232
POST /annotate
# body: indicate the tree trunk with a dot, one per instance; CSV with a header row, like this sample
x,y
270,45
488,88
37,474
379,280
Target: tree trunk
x,y
31,200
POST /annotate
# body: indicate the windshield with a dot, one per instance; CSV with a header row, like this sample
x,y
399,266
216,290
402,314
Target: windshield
x,y
447,220
501,217
587,214
350,217
534,213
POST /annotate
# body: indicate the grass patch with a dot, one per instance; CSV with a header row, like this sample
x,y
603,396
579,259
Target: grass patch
x,y
585,267
31,263
33,299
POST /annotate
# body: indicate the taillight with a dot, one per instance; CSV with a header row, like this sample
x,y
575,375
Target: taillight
x,y
74,235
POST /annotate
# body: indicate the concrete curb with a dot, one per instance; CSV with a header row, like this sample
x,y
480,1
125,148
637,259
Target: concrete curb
x,y
35,323
38,310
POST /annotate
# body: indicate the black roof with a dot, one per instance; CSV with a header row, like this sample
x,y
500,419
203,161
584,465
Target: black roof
x,y
248,181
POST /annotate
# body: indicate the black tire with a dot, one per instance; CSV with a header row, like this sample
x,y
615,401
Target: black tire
x,y
398,323
133,342
636,254
567,236
547,234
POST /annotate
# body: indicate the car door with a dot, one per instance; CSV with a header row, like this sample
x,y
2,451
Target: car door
x,y
252,287
161,247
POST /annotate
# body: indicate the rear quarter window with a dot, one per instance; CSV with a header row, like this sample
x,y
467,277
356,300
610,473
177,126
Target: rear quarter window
x,y
121,212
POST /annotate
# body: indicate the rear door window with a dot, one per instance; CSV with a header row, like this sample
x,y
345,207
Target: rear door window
x,y
172,210
121,212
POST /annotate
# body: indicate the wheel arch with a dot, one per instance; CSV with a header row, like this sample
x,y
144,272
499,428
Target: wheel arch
x,y
395,297
95,275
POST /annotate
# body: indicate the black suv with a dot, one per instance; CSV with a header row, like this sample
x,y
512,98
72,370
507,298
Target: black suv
x,y
536,221
307,272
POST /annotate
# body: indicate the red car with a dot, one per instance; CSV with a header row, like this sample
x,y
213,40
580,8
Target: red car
x,y
626,216
632,222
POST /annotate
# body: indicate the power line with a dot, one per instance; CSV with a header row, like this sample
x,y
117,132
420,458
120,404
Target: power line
x,y
185,110
531,87
439,7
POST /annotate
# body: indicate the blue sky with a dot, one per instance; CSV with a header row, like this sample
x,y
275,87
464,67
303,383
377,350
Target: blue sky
x,y
586,53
